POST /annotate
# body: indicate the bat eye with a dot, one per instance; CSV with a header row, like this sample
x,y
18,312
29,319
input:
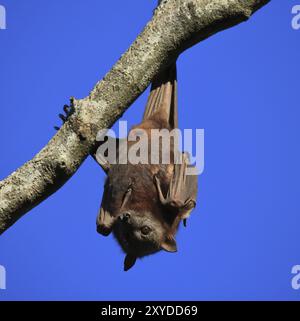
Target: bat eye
x,y
146,230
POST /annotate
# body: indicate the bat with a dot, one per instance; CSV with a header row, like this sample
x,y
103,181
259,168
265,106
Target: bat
x,y
143,204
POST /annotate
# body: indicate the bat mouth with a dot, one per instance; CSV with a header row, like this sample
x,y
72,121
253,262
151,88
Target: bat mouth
x,y
122,231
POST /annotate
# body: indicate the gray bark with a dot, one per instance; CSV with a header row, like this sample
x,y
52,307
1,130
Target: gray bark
x,y
176,25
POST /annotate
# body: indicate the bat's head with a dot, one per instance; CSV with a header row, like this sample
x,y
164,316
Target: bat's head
x,y
141,234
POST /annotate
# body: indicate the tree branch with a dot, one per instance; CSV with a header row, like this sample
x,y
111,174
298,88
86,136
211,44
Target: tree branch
x,y
175,26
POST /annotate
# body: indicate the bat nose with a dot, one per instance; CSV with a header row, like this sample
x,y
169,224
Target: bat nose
x,y
124,217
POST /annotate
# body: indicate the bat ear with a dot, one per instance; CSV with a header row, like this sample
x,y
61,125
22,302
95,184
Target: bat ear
x,y
129,262
169,245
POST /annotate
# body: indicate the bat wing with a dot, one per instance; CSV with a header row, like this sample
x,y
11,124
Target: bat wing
x,y
104,222
182,192
163,97
106,218
162,102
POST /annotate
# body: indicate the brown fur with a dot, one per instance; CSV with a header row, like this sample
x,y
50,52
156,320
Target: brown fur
x,y
142,222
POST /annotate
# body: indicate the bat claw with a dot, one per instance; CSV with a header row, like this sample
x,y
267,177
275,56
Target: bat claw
x,y
62,117
189,204
184,222
68,110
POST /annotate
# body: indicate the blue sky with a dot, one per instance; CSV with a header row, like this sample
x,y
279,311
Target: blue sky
x,y
241,86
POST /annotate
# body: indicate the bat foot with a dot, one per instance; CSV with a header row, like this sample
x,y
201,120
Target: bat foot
x,y
68,111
